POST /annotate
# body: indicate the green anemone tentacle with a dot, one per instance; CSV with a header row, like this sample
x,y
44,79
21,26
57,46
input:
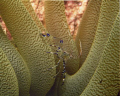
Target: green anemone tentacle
x,y
106,81
75,84
30,45
8,79
18,64
87,28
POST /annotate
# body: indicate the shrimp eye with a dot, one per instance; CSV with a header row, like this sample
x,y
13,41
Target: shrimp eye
x,y
48,34
61,41
43,35
58,47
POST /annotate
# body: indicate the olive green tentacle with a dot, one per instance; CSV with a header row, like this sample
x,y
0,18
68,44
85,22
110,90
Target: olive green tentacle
x,y
38,22
87,28
33,15
106,81
74,85
8,79
57,26
18,64
26,35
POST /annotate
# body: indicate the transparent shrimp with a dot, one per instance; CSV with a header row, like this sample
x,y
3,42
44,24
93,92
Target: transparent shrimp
x,y
62,55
